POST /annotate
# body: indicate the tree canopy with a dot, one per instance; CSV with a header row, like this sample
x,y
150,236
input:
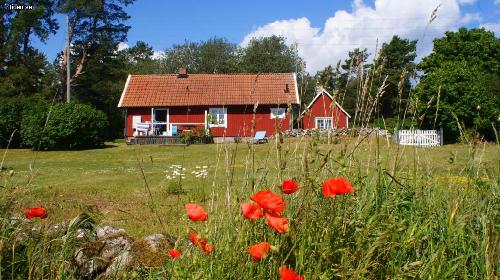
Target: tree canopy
x,y
460,84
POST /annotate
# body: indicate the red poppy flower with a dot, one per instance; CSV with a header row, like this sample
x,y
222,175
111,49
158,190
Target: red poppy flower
x,y
269,201
193,237
251,211
259,250
202,243
196,212
288,274
335,186
280,224
37,212
174,253
207,248
289,186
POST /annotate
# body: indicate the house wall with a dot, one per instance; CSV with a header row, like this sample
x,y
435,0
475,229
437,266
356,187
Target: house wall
x,y
322,107
239,119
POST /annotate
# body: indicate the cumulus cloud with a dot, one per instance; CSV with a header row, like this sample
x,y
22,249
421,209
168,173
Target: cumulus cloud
x,y
492,26
468,2
122,46
471,17
158,54
364,27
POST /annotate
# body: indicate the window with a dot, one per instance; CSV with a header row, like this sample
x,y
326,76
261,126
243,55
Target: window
x,y
136,120
278,113
217,117
324,123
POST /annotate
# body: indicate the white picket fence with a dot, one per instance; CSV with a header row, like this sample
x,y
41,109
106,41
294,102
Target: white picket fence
x,y
426,138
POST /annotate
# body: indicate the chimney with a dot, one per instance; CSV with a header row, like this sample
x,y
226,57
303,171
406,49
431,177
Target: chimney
x,y
182,73
287,89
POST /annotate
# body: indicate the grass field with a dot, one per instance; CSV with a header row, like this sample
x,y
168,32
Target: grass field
x,y
417,212
110,180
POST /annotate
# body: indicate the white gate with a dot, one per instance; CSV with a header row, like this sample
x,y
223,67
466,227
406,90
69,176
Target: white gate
x,y
418,137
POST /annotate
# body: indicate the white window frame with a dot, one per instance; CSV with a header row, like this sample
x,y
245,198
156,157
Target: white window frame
x,y
136,119
278,113
217,114
323,119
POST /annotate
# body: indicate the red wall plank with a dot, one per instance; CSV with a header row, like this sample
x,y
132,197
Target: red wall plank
x,y
322,107
239,119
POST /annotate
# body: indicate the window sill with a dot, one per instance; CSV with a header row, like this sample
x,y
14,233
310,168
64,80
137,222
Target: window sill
x,y
217,125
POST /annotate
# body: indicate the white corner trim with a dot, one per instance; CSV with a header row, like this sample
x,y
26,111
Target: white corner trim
x,y
123,92
331,97
296,87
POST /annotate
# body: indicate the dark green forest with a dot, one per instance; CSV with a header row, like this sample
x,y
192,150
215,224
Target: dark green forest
x,y
456,87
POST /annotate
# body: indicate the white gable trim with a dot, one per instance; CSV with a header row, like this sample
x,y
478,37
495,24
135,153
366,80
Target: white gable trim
x,y
123,92
296,88
331,97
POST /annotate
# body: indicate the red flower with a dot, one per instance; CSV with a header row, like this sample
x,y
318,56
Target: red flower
x,y
174,253
289,186
207,248
202,243
288,274
335,186
269,201
280,224
259,250
193,237
251,211
37,212
196,212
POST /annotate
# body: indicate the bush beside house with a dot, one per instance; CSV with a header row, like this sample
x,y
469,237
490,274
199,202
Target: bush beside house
x,y
69,127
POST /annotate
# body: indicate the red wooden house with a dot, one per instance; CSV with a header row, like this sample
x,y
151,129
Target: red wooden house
x,y
324,113
164,105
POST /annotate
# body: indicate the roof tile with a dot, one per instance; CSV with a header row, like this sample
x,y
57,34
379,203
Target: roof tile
x,y
209,89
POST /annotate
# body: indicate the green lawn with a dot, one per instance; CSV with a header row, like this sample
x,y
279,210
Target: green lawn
x,y
417,213
110,180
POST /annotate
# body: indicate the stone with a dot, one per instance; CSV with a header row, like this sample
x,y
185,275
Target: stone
x,y
102,232
151,250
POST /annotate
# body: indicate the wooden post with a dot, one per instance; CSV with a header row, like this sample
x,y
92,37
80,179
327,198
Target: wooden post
x,y
68,70
441,140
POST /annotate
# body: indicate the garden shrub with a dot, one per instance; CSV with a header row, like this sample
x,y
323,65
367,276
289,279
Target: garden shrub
x,y
11,112
10,122
69,127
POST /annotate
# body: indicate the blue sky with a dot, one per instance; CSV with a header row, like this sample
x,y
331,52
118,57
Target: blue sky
x,y
323,30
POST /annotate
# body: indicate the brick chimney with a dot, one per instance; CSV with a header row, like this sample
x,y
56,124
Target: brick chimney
x,y
182,73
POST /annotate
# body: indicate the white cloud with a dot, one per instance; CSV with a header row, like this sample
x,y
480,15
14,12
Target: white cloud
x,y
158,54
363,27
122,46
470,17
492,26
468,2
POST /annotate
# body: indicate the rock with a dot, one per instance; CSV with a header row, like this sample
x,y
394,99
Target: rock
x,y
57,230
84,234
158,241
96,256
121,262
151,250
102,232
334,132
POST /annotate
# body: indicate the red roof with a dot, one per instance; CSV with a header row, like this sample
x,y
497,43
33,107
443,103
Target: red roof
x,y
209,89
